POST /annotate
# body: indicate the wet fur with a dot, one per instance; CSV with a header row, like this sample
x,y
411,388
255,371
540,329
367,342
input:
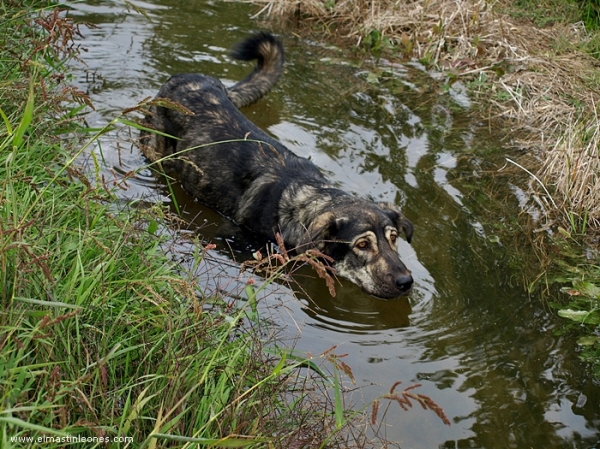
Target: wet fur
x,y
233,166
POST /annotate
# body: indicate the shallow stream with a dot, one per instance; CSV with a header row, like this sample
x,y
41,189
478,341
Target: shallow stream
x,y
481,347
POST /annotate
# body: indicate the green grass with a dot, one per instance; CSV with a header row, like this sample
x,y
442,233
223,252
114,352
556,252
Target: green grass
x,y
546,13
101,337
590,13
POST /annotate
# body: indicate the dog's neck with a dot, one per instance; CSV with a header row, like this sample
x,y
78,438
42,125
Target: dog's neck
x,y
302,211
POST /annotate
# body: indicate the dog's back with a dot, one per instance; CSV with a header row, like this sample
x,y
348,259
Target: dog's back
x,y
203,99
220,156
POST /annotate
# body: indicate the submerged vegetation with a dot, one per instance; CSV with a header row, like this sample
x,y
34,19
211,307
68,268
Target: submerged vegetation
x,y
533,66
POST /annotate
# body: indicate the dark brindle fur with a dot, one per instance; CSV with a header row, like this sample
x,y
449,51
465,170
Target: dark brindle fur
x,y
233,166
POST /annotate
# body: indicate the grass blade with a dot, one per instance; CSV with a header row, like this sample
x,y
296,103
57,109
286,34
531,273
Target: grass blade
x,y
30,426
26,119
6,122
338,403
237,441
41,302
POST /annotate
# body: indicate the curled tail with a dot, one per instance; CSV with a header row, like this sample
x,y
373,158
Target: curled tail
x,y
268,50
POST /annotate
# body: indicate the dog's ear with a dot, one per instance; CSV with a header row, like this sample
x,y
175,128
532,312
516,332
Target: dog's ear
x,y
399,219
324,227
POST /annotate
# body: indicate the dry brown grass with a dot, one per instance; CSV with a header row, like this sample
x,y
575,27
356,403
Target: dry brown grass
x,y
534,77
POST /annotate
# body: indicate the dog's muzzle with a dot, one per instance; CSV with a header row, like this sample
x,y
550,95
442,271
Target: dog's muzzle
x,y
404,282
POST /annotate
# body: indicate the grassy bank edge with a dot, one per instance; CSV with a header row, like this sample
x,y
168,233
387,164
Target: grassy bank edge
x,y
531,65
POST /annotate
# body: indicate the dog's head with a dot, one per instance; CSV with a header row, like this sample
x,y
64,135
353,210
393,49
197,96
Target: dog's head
x,y
363,242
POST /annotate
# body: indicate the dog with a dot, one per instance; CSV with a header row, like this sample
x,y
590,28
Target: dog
x,y
234,167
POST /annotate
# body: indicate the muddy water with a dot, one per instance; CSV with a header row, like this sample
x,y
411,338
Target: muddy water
x,y
483,349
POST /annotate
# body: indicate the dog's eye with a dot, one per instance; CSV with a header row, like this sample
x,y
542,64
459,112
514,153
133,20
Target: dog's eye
x,y
363,244
393,238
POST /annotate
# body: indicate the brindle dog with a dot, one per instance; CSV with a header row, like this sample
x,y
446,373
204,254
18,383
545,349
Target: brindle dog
x,y
231,165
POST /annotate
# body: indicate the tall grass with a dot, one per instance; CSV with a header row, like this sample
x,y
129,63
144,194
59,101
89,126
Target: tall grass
x,y
101,339
590,13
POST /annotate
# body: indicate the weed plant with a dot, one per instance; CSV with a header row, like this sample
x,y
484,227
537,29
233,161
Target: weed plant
x,y
576,269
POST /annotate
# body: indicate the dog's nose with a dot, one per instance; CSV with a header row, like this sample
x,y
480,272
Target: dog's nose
x,y
404,281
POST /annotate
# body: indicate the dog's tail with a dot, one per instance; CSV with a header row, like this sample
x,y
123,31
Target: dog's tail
x,y
268,50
